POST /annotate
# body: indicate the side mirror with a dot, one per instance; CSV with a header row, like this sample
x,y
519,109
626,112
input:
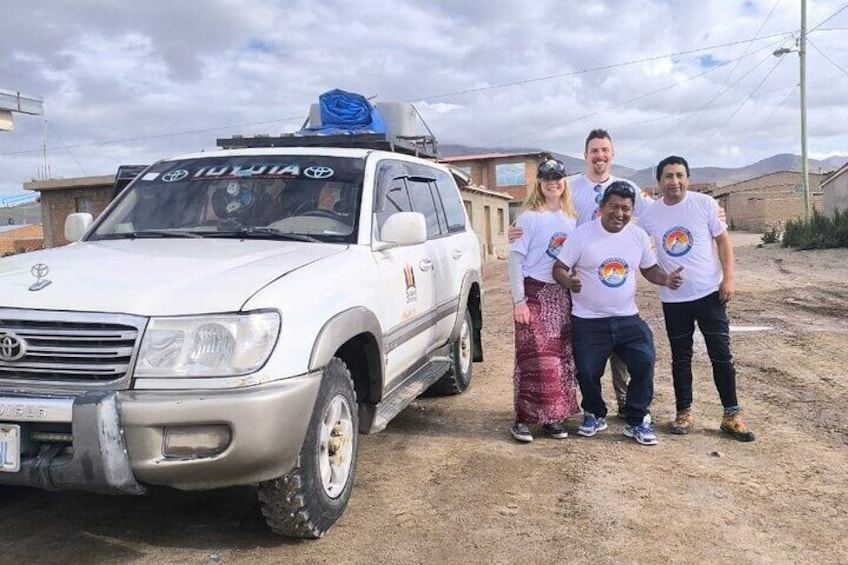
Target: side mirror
x,y
403,228
76,224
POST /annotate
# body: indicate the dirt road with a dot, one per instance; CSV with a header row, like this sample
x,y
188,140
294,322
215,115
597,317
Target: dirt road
x,y
444,483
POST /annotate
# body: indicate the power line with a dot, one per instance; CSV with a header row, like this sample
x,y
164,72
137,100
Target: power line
x,y
829,60
830,17
595,69
708,104
635,99
738,108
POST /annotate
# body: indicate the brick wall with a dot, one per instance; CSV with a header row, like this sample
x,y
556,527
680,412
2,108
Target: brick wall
x,y
56,205
24,239
768,201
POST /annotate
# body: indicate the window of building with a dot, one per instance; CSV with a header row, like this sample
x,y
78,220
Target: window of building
x,y
509,174
468,209
501,221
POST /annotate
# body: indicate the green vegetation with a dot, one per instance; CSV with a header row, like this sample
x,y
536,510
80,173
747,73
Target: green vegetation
x,y
820,232
771,236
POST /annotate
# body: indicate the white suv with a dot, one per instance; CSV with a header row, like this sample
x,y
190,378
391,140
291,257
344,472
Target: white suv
x,y
234,317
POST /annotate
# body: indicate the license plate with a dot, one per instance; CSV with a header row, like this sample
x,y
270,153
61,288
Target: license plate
x,y
10,448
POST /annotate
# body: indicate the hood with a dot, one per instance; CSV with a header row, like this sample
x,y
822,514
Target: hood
x,y
153,276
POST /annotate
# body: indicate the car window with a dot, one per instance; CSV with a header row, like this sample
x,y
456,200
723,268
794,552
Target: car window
x,y
451,202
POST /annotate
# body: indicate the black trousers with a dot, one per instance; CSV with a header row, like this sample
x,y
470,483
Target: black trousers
x,y
711,315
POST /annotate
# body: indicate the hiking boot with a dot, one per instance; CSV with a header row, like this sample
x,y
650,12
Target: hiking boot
x,y
521,432
683,422
732,423
591,425
642,433
555,430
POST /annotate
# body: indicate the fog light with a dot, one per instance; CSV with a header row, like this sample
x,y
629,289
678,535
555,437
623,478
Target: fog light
x,y
192,442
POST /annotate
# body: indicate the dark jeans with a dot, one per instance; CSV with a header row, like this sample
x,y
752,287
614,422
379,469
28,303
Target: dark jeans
x,y
593,340
711,315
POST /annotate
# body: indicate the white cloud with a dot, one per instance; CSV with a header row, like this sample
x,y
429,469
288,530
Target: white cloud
x,y
132,82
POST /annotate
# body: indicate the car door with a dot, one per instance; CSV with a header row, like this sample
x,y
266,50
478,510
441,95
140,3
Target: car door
x,y
450,248
407,295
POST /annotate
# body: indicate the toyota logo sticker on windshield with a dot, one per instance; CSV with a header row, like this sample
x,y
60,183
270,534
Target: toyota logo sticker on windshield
x,y
318,172
174,176
12,347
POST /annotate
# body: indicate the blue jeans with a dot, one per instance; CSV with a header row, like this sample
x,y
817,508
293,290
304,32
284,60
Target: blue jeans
x,y
711,315
593,340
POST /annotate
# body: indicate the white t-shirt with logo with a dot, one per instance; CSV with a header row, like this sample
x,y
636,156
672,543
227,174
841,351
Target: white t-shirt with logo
x,y
685,234
544,231
606,264
586,196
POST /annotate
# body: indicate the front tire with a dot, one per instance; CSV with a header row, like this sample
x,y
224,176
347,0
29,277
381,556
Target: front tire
x,y
308,500
462,353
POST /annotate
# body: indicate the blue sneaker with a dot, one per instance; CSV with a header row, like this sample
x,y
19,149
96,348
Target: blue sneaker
x,y
643,433
591,425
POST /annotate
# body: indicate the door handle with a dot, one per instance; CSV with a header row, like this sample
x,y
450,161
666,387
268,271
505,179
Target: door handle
x,y
456,253
425,265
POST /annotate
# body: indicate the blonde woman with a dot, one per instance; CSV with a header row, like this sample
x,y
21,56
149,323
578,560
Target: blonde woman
x,y
544,382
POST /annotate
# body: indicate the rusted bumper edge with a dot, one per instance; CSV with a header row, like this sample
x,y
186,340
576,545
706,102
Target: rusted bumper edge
x,y
99,462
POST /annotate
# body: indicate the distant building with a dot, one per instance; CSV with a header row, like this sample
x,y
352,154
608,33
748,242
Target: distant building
x,y
768,201
835,191
20,239
62,197
510,173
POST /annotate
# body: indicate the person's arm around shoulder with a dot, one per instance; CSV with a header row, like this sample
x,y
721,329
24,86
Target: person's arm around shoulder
x,y
728,270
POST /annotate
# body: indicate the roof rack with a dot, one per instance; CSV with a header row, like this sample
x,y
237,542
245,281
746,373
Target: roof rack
x,y
419,145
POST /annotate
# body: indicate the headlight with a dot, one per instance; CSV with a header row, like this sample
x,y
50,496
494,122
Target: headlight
x,y
219,345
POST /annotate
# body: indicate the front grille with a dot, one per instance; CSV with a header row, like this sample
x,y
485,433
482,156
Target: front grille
x,y
69,348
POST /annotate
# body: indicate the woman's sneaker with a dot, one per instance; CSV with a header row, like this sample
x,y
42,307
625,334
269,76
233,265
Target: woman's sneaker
x,y
591,425
732,423
642,433
521,432
555,430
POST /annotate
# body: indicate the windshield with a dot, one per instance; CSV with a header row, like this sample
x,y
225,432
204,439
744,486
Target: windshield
x,y
298,197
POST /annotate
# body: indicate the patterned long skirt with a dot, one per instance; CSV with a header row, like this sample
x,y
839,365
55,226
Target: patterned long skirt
x,y
544,380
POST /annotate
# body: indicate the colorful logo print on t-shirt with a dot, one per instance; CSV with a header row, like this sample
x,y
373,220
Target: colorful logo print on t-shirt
x,y
555,243
677,241
613,272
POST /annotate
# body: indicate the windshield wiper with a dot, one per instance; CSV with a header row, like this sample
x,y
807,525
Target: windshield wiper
x,y
262,232
151,233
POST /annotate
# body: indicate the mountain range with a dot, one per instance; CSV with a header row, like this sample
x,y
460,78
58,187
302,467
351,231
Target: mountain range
x,y
645,177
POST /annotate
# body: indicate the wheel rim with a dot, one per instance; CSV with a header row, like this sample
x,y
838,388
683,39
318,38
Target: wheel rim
x,y
464,348
335,451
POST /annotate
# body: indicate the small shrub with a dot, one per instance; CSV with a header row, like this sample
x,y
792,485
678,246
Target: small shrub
x,y
771,236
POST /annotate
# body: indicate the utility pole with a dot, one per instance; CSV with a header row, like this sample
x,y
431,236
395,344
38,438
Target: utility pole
x,y
802,54
801,48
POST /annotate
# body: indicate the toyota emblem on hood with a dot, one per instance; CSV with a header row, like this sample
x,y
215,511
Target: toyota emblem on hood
x,y
39,271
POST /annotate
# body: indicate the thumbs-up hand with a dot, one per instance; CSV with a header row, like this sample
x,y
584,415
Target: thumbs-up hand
x,y
675,278
573,282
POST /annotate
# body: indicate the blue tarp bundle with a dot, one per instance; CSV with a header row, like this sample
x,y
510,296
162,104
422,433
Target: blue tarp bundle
x,y
346,113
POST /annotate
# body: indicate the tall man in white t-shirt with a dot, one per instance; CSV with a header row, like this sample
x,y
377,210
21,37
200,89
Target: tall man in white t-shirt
x,y
689,233
598,263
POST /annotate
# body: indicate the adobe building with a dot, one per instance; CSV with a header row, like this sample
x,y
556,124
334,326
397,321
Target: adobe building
x,y
510,173
20,239
62,197
768,201
835,191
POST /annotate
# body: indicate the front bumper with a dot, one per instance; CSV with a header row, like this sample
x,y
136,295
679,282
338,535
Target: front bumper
x,y
118,437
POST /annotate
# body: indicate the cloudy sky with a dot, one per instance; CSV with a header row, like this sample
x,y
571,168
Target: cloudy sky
x,y
128,82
